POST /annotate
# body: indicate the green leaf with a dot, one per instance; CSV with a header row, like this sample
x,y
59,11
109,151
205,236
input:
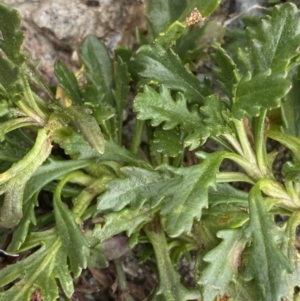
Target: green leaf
x,y
12,124
88,127
264,251
156,63
10,43
275,41
226,194
240,290
76,147
226,72
169,285
169,36
291,172
13,181
122,78
227,215
206,7
127,219
216,119
68,82
290,250
20,232
194,43
10,75
290,109
73,240
9,152
12,37
52,169
224,261
161,14
289,141
138,186
99,66
215,122
39,271
34,76
263,91
161,108
167,142
183,192
190,195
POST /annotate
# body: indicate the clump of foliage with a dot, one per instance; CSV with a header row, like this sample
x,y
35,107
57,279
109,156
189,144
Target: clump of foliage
x,y
144,190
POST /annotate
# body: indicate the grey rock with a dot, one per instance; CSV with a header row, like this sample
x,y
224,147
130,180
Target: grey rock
x,y
55,29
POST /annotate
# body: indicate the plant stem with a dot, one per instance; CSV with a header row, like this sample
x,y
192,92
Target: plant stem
x,y
251,170
233,142
137,136
260,142
289,185
224,141
223,177
39,116
164,159
120,128
170,285
88,194
122,283
244,141
177,161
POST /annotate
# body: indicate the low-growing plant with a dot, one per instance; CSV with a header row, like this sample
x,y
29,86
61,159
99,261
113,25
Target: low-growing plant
x,y
69,145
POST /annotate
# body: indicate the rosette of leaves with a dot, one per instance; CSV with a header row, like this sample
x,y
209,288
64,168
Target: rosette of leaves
x,y
145,190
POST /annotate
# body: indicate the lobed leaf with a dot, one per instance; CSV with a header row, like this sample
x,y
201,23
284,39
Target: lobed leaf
x,y
264,251
190,195
182,192
275,41
138,186
12,37
226,71
161,108
263,91
215,122
39,271
290,250
167,142
224,261
290,109
73,241
164,66
127,219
